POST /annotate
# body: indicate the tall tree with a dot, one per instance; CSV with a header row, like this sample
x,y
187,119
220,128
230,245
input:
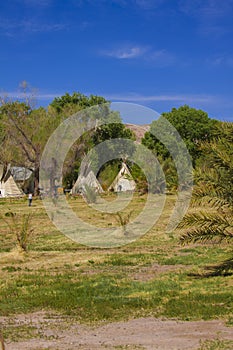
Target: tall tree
x,y
25,133
65,106
194,126
24,130
113,129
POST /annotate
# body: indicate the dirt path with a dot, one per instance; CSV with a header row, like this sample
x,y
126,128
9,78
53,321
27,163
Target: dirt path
x,y
144,333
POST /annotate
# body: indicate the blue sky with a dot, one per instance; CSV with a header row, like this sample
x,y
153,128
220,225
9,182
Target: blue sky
x,y
158,53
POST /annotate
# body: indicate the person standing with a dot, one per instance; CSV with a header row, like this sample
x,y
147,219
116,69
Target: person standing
x,y
30,199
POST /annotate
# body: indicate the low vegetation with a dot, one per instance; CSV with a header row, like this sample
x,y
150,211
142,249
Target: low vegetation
x,y
20,227
154,276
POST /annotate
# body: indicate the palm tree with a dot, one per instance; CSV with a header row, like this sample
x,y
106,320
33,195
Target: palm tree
x,y
214,192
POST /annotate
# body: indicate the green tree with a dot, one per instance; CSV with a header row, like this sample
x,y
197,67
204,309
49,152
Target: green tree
x,y
147,172
69,104
194,126
214,190
96,160
26,131
117,149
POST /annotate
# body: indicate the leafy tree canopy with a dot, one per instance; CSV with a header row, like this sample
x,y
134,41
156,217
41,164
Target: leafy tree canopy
x,y
193,126
101,112
25,133
68,104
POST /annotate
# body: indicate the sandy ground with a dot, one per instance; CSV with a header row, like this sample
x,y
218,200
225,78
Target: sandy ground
x,y
143,333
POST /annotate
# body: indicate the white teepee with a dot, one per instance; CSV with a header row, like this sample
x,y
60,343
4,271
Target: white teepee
x,y
89,180
123,181
8,186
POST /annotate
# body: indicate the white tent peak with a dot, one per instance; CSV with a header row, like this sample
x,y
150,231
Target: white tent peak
x,y
89,180
123,181
8,186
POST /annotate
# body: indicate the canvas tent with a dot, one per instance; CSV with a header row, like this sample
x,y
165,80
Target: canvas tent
x,y
24,178
89,180
8,186
123,181
20,174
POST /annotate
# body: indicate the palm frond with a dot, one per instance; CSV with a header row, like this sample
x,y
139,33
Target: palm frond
x,y
207,220
214,196
204,235
221,151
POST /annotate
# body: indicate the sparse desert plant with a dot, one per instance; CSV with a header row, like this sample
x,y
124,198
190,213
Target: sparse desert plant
x,y
20,226
123,219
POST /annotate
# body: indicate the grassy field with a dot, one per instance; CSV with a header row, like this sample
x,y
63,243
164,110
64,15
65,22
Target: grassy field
x,y
153,276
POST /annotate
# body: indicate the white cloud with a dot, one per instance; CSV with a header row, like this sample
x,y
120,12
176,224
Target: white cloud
x,y
130,97
162,98
125,52
145,53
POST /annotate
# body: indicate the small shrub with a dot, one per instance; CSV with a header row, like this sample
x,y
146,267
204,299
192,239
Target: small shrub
x,y
20,227
123,220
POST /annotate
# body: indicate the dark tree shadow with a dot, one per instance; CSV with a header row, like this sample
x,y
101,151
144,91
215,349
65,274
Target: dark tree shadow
x,y
223,269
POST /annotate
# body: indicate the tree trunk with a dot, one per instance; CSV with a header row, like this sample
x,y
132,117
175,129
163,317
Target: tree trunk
x,y
36,181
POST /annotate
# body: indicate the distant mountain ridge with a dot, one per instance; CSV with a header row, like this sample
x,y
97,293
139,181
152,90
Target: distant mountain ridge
x,y
138,130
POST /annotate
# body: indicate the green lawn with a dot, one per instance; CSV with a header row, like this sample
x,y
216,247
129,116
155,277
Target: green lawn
x,y
153,276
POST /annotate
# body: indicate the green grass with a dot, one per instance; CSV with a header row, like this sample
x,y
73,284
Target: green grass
x,y
22,332
110,296
153,276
